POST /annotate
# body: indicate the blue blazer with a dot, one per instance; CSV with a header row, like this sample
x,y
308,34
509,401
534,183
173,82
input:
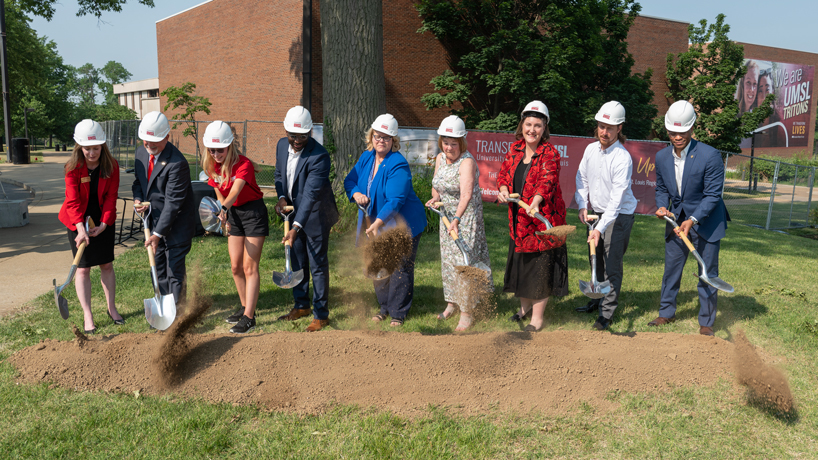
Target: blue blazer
x,y
702,184
391,193
313,200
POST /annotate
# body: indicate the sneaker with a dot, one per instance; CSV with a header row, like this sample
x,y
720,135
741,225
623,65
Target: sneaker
x,y
235,317
244,325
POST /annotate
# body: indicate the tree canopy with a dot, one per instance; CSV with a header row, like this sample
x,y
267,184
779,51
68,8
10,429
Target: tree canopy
x,y
47,8
571,54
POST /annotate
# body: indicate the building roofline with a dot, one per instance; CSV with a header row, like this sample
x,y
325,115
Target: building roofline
x,y
184,11
663,19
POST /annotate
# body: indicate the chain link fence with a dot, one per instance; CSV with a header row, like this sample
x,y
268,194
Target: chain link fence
x,y
768,194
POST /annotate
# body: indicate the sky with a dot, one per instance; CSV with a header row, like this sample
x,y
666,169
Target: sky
x,y
129,37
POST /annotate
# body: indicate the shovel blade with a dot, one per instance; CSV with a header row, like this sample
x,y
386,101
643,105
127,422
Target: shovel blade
x,y
288,280
595,292
62,303
718,283
160,311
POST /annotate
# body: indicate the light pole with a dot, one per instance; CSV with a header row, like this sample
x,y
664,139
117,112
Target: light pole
x,y
25,120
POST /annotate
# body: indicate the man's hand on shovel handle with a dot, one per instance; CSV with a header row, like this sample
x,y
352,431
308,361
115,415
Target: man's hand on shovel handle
x,y
153,241
282,202
594,237
683,228
662,212
290,236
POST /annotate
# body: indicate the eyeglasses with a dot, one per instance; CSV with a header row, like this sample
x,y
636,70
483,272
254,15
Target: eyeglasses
x,y
215,151
377,138
297,137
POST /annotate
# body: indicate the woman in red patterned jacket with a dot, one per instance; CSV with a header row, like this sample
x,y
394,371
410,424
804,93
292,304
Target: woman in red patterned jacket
x,y
537,266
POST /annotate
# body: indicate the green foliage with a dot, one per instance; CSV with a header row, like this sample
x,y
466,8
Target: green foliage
x,y
329,144
787,169
422,184
570,54
183,98
46,8
813,216
706,75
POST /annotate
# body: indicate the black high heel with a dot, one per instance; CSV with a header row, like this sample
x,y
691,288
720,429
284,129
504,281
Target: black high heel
x,y
118,322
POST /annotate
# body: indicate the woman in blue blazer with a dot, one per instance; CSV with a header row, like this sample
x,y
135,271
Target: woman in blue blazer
x,y
381,181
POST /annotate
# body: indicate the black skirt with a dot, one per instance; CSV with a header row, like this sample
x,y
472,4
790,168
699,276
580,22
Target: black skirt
x,y
99,252
536,275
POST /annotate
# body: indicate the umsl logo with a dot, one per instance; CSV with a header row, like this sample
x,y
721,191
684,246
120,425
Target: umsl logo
x,y
606,116
448,130
385,127
214,140
149,133
563,150
535,108
297,125
676,123
92,138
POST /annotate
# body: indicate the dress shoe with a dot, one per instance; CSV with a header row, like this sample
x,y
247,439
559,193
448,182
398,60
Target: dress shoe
x,y
589,307
704,330
660,321
317,324
91,331
516,317
295,313
118,322
602,323
531,328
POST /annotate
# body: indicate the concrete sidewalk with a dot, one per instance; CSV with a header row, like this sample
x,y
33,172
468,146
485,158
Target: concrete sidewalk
x,y
35,254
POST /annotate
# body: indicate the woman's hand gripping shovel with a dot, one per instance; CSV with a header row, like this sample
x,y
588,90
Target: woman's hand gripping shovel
x,y
559,230
715,281
288,279
160,311
595,289
382,273
62,303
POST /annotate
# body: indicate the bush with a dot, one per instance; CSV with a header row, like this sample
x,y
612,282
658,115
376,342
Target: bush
x,y
422,183
813,217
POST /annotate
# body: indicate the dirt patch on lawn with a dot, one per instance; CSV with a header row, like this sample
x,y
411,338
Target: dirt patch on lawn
x,y
400,372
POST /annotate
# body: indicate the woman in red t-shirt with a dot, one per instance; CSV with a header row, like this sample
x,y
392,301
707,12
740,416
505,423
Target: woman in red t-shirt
x,y
233,177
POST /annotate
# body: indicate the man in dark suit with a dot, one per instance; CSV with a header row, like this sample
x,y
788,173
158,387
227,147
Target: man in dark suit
x,y
689,182
163,179
302,180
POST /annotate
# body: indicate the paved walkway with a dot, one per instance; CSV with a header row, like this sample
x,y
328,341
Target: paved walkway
x,y
35,254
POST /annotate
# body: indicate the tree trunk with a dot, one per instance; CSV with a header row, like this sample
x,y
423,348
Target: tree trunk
x,y
354,88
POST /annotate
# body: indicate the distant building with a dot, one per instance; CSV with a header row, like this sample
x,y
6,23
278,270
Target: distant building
x,y
141,96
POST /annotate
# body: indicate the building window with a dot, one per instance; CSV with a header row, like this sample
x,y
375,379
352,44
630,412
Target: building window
x,y
153,93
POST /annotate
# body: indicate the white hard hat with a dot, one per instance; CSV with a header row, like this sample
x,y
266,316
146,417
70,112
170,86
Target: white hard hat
x,y
217,135
680,117
537,106
88,132
154,127
298,120
386,124
611,113
452,126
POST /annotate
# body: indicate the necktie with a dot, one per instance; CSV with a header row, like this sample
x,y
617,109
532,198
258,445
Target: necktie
x,y
150,167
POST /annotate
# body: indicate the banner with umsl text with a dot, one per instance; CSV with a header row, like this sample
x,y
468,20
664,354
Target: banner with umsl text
x,y
489,149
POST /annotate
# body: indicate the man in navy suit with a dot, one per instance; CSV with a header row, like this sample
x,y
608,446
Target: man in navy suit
x,y
163,179
689,183
302,180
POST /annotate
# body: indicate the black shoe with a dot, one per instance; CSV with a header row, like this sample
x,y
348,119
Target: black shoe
x,y
118,322
235,317
590,307
244,325
602,323
517,318
91,331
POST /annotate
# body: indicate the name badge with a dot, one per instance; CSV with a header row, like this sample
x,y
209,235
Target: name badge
x,y
85,179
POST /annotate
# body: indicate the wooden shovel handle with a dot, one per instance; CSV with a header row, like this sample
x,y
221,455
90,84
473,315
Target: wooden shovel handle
x,y
81,247
151,255
287,209
286,230
446,222
682,235
522,203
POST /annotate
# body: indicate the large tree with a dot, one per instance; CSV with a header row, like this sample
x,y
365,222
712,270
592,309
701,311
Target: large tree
x,y
354,87
706,75
571,54
46,8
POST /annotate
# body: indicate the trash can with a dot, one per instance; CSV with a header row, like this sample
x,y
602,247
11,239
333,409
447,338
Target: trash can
x,y
19,151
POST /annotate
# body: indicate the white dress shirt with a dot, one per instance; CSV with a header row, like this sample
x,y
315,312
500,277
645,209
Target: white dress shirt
x,y
292,162
679,164
604,179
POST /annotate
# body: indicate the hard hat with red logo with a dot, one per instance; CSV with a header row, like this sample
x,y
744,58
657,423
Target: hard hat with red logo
x,y
611,113
452,126
88,133
298,120
680,117
386,124
539,107
154,127
217,135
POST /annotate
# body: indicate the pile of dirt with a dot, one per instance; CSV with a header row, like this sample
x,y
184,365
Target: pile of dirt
x,y
474,292
551,372
560,231
767,385
387,250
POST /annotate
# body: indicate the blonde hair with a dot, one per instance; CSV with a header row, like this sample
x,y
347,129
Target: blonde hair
x,y
461,141
370,145
106,161
209,164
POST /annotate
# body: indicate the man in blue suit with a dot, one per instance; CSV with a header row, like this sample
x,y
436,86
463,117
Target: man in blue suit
x,y
302,180
689,181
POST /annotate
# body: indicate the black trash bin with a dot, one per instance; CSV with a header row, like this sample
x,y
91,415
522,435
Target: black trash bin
x,y
19,151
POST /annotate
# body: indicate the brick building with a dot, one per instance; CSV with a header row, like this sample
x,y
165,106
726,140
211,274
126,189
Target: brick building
x,y
248,58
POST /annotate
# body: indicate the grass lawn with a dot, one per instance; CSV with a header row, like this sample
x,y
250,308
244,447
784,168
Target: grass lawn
x,y
774,302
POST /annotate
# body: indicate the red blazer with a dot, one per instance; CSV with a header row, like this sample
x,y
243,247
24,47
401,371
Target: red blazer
x,y
76,196
543,179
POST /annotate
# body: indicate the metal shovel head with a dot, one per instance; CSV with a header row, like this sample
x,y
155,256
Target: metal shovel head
x,y
718,283
209,214
62,302
160,311
602,289
288,280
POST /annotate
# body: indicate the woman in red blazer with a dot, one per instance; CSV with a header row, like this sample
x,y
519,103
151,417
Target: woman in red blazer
x,y
91,189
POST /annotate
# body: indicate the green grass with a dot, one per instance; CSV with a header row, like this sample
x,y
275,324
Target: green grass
x,y
774,303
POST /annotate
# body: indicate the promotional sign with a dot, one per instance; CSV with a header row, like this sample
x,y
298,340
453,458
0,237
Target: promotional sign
x,y
489,149
789,124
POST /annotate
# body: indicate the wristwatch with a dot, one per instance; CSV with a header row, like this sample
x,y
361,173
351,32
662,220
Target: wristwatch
x,y
694,220
224,208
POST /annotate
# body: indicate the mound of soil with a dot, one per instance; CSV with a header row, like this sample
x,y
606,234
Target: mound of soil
x,y
767,385
474,292
400,372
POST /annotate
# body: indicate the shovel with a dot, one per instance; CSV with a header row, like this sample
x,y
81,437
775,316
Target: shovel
x,y
382,273
444,217
715,281
288,279
62,303
595,289
560,230
160,311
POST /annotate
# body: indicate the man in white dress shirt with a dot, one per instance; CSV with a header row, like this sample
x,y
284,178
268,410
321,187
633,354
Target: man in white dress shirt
x,y
604,185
